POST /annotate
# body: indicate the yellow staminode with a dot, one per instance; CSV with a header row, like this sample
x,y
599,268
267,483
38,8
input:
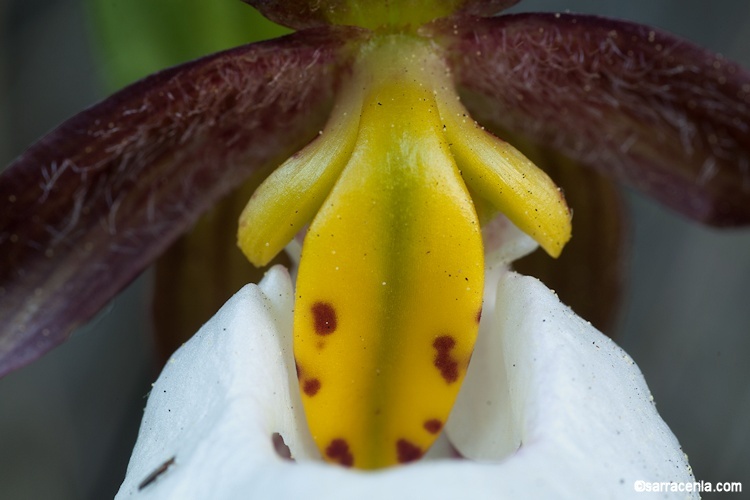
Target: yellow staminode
x,y
390,282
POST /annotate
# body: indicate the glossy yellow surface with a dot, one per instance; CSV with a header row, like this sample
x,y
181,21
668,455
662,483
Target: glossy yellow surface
x,y
390,284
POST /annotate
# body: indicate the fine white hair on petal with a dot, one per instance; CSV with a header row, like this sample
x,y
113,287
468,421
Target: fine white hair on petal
x,y
574,404
208,426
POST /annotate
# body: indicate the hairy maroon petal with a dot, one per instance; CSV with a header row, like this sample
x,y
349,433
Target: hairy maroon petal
x,y
301,14
90,205
639,104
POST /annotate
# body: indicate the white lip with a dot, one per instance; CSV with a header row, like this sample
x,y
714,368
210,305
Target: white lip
x,y
576,402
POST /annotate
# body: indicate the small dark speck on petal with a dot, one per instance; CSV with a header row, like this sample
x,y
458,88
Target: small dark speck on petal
x,y
158,472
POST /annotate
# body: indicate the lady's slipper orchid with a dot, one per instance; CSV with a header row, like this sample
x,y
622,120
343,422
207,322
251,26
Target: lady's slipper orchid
x,y
96,200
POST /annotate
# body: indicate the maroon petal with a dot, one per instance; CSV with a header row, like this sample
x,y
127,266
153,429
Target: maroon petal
x,y
641,105
90,205
301,14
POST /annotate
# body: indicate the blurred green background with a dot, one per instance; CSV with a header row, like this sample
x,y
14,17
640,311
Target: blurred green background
x,y
68,422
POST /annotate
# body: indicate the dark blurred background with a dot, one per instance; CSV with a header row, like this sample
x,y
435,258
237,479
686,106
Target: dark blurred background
x,y
69,421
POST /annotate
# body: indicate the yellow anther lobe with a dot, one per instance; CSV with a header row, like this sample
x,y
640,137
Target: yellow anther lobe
x,y
502,175
293,193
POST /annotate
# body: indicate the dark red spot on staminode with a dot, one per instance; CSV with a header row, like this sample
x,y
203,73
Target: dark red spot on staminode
x,y
479,315
407,452
311,386
433,425
444,343
325,318
443,361
338,451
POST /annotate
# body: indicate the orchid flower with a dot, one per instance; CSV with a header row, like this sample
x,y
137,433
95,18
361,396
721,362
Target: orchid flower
x,y
394,189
